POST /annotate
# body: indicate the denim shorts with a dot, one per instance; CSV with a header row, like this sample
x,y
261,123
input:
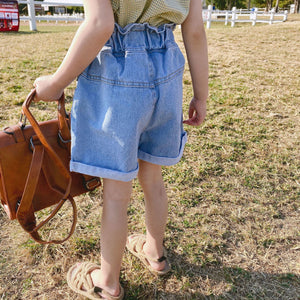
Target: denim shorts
x,y
128,104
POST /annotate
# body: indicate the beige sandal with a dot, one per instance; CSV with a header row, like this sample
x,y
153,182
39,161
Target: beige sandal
x,y
79,276
135,244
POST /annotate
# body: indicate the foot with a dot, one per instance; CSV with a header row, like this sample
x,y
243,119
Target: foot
x,y
85,279
156,262
97,281
157,265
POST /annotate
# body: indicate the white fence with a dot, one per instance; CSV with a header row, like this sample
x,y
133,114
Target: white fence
x,y
56,18
242,16
209,15
32,17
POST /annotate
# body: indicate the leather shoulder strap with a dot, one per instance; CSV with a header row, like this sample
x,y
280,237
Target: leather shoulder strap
x,y
25,212
43,140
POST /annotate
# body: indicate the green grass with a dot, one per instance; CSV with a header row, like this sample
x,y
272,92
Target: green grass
x,y
233,228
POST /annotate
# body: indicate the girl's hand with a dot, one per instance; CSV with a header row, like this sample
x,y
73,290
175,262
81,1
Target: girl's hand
x,y
197,112
46,89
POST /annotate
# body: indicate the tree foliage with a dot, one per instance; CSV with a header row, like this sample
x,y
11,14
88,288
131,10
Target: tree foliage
x,y
283,4
227,4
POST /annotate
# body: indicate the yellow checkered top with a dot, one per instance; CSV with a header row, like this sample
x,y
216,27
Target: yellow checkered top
x,y
154,12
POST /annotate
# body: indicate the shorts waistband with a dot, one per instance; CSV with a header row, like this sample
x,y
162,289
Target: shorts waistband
x,y
141,36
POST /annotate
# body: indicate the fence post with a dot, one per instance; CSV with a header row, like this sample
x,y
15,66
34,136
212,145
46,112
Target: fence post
x,y
209,11
226,17
233,17
31,14
254,16
272,16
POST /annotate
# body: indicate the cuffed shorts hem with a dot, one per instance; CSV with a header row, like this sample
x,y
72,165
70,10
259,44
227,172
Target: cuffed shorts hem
x,y
102,172
164,161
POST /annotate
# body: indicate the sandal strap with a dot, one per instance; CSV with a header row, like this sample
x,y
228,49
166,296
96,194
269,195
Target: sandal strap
x,y
135,245
108,296
83,277
163,258
139,243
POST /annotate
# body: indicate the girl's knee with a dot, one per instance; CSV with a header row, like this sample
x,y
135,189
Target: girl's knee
x,y
149,173
117,191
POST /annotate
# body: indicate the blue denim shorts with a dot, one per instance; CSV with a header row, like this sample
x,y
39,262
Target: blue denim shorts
x,y
128,104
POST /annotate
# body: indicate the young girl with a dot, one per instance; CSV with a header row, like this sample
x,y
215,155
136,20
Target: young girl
x,y
127,120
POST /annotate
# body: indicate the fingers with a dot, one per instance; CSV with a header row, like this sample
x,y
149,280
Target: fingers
x,y
39,79
197,112
191,111
194,121
36,86
46,90
191,118
35,98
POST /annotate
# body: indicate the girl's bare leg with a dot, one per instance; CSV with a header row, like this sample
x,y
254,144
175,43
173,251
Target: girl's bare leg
x,y
116,196
156,208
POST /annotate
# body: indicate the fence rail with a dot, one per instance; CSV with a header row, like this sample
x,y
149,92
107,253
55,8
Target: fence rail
x,y
242,16
56,18
209,15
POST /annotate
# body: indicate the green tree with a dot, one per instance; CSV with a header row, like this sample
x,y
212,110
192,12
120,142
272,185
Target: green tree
x,y
75,9
269,4
228,4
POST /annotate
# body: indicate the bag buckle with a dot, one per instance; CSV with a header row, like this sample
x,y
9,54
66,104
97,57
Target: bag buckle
x,y
32,141
22,121
62,140
92,183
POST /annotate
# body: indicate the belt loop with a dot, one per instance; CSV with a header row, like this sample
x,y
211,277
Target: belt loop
x,y
120,41
113,38
148,37
117,39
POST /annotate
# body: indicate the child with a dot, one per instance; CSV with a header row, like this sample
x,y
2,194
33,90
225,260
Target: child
x,y
127,120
